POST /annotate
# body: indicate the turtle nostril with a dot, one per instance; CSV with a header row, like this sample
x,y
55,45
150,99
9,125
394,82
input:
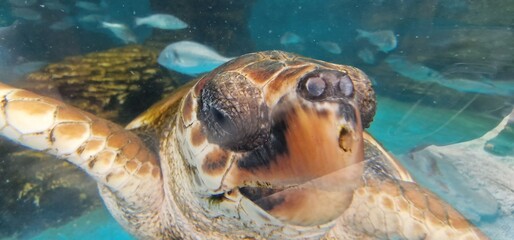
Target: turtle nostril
x,y
346,86
315,86
324,84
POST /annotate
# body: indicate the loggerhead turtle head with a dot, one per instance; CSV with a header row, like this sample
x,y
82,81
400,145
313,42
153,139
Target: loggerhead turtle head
x,y
277,136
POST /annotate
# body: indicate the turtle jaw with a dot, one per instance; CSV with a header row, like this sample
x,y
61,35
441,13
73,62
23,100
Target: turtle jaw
x,y
307,174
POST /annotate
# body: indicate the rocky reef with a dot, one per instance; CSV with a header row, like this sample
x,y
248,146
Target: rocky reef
x,y
116,84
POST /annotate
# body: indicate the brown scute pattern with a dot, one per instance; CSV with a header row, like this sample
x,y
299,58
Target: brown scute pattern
x,y
131,149
294,62
197,135
145,170
392,209
66,114
114,157
291,75
117,140
22,95
260,72
100,128
215,162
286,79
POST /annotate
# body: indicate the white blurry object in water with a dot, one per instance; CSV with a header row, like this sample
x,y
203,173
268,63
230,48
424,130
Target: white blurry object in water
x,y
289,38
190,58
121,31
92,18
366,56
412,70
462,83
330,47
89,6
22,3
473,86
384,40
162,21
477,78
63,24
487,180
26,13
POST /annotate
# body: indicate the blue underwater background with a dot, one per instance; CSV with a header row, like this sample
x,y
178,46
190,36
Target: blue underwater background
x,y
442,70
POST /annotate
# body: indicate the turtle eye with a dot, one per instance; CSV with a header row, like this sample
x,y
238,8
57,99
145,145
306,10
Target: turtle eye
x,y
233,113
219,124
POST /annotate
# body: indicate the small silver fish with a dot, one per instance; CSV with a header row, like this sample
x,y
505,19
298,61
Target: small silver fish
x,y
412,70
459,83
121,31
476,78
289,38
22,3
190,58
385,40
366,56
89,6
26,13
330,47
162,21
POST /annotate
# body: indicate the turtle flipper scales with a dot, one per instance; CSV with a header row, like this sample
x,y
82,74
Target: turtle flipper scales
x,y
128,174
395,209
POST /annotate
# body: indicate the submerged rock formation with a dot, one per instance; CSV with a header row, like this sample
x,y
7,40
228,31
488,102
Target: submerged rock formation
x,y
116,84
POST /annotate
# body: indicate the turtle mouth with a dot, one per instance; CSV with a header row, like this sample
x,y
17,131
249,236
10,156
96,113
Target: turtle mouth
x,y
307,174
262,196
267,196
316,188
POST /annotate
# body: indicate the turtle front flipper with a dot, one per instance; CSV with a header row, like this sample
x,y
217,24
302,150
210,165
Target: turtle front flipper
x,y
395,209
128,174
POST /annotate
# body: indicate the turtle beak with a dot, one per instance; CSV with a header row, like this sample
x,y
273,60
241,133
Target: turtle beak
x,y
308,171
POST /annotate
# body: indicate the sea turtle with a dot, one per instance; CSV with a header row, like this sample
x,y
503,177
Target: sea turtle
x,y
268,146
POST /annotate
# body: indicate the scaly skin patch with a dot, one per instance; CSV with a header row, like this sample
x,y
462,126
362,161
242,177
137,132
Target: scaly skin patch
x,y
395,209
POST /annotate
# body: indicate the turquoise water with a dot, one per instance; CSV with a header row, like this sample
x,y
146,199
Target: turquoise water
x,y
97,224
442,71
